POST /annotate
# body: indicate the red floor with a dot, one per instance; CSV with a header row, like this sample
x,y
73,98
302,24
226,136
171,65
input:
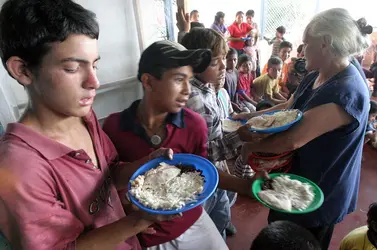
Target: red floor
x,y
250,217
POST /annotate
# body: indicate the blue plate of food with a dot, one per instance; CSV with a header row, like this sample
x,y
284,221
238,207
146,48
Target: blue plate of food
x,y
164,186
275,121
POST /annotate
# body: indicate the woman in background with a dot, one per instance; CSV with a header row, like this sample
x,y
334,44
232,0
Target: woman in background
x,y
218,24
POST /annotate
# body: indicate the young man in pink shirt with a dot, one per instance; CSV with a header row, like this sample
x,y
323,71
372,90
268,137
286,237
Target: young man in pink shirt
x,y
59,173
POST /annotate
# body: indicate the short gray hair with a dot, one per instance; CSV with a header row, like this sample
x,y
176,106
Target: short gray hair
x,y
344,33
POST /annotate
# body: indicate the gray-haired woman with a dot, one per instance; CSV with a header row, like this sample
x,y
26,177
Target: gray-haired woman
x,y
328,142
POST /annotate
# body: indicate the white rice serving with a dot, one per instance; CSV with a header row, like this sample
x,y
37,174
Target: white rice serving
x,y
275,120
230,125
288,194
166,188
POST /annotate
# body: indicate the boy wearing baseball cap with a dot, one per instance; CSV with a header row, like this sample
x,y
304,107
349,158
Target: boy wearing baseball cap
x,y
160,120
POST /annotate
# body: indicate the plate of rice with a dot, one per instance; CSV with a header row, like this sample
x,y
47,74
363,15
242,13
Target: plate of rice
x,y
164,186
275,121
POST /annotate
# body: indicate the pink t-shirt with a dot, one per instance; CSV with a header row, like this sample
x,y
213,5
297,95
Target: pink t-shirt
x,y
51,194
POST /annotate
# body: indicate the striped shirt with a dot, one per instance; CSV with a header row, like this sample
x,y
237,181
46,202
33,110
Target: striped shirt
x,y
220,147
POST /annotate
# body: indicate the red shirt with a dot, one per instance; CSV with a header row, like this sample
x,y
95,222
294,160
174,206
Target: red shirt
x,y
238,32
244,84
186,133
51,194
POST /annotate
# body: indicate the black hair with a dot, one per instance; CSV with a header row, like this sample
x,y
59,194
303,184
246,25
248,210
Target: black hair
x,y
242,59
372,110
285,44
300,48
196,25
250,13
218,16
282,235
239,13
274,61
193,12
281,29
28,27
232,52
263,105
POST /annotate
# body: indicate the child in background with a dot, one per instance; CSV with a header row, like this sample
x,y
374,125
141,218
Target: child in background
x,y
231,79
277,40
266,87
251,49
284,54
300,51
363,237
246,77
370,134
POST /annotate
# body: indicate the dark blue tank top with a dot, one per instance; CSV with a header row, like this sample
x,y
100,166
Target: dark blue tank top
x,y
332,160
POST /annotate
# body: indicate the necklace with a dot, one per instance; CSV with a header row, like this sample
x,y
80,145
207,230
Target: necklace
x,y
155,139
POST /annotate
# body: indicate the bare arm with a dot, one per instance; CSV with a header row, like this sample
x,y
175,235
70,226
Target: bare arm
x,y
275,100
247,98
315,122
279,96
234,39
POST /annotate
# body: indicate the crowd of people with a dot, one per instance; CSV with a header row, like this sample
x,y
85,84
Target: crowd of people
x,y
72,192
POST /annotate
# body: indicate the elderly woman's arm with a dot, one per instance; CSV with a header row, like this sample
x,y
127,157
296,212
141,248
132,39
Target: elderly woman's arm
x,y
315,122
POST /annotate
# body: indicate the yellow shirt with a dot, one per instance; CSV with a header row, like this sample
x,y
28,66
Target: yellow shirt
x,y
265,86
283,79
357,240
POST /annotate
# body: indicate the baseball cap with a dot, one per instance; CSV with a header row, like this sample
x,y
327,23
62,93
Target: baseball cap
x,y
168,55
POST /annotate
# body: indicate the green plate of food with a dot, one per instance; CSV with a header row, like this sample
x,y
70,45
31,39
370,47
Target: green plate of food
x,y
288,193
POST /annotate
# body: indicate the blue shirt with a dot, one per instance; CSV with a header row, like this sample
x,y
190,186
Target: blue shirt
x,y
333,159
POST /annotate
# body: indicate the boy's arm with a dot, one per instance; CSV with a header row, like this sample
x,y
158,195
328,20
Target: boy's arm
x,y
247,98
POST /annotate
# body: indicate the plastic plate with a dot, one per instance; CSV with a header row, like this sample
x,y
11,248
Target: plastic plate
x,y
278,129
318,194
209,171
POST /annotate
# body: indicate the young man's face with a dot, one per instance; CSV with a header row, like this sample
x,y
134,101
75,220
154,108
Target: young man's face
x,y
195,17
279,35
171,92
274,71
231,62
215,72
65,83
285,53
249,19
245,67
239,18
372,117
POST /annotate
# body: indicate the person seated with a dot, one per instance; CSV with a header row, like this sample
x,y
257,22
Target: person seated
x,y
266,87
370,134
363,238
284,54
246,78
231,80
283,235
300,51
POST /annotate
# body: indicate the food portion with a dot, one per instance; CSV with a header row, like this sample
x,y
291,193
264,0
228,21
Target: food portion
x,y
286,194
274,120
168,187
230,125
